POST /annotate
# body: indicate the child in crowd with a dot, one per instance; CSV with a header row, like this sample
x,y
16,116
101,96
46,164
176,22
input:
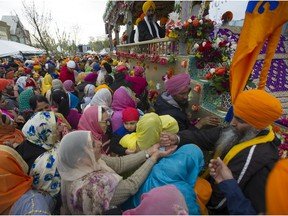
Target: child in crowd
x,y
130,117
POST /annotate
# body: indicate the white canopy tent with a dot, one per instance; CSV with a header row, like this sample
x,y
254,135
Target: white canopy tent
x,y
10,48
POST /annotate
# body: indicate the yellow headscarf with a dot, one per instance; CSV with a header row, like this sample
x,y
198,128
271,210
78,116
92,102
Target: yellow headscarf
x,y
148,131
47,83
147,5
103,86
169,124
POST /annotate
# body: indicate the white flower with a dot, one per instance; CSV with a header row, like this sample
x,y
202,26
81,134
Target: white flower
x,y
215,45
201,21
196,46
218,40
189,20
206,17
174,16
212,70
204,43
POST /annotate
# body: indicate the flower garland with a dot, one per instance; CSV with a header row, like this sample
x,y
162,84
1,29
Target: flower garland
x,y
152,58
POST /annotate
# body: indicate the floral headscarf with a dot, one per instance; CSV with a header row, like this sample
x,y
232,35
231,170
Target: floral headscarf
x,y
41,130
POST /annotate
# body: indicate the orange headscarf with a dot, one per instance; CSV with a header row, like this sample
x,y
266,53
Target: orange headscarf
x,y
277,189
4,83
8,133
257,108
13,178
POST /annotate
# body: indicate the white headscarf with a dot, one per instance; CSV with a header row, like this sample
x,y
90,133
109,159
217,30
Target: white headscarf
x,y
101,77
21,81
102,97
73,147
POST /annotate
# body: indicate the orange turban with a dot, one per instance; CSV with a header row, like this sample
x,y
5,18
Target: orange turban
x,y
277,189
14,180
257,108
4,83
147,5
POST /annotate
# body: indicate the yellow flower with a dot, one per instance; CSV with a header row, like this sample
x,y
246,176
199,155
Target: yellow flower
x,y
198,55
199,33
224,58
173,34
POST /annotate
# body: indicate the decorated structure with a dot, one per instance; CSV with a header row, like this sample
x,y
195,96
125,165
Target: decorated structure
x,y
197,45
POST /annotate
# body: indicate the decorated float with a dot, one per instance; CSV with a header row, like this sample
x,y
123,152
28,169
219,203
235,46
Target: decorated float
x,y
196,45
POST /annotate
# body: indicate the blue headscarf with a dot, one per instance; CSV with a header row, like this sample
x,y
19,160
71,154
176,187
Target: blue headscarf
x,y
180,169
73,100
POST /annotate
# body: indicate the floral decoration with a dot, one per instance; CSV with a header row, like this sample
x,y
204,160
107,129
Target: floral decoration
x,y
189,30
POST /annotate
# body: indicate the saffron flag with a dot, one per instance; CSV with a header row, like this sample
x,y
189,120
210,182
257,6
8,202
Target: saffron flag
x,y
263,21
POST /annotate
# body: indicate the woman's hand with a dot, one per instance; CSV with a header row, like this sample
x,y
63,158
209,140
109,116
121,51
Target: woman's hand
x,y
163,153
219,170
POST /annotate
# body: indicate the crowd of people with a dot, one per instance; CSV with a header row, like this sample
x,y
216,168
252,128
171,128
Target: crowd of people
x,y
79,136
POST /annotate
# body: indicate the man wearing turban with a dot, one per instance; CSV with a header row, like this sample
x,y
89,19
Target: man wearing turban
x,y
174,102
148,28
248,147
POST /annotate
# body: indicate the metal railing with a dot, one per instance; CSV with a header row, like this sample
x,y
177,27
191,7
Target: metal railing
x,y
161,47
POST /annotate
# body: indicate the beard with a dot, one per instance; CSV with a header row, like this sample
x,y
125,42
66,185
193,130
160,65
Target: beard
x,y
230,137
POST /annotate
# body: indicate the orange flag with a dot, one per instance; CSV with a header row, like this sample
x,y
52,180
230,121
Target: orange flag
x,y
263,21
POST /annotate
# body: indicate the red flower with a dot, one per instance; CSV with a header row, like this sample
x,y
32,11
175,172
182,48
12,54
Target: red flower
x,y
220,71
208,76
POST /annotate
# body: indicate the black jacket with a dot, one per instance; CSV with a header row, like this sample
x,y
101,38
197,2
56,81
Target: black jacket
x,y
162,107
259,160
144,33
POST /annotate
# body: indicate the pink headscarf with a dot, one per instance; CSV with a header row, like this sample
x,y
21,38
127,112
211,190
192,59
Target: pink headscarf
x,y
122,98
121,68
91,77
138,70
177,83
69,85
165,200
89,122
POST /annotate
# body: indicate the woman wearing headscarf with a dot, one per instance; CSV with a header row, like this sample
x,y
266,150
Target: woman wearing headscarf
x,y
148,131
69,86
70,89
60,102
89,121
138,82
8,133
16,194
43,133
21,82
56,84
89,92
102,97
165,200
122,98
90,183
180,169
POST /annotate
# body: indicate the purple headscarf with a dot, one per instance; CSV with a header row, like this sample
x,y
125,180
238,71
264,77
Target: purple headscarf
x,y
91,78
122,99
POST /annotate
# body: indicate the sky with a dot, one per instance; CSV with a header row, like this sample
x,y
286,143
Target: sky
x,y
87,14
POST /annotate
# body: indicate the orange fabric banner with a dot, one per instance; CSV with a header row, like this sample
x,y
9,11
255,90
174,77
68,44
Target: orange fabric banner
x,y
263,21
